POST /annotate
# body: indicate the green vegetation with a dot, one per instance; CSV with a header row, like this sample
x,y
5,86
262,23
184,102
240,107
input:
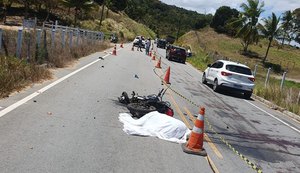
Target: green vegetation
x,y
165,19
270,30
15,74
247,23
222,17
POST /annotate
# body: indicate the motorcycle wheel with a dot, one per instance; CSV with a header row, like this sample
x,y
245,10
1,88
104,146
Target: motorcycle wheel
x,y
139,109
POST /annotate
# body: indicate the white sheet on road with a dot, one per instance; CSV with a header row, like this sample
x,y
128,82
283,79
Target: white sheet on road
x,y
155,124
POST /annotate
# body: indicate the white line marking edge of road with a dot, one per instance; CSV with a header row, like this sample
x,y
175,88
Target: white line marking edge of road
x,y
297,130
24,100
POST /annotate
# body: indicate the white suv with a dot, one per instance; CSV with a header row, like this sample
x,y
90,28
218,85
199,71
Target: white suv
x,y
230,75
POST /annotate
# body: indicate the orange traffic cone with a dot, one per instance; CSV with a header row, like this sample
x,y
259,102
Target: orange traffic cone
x,y
153,56
121,45
150,53
114,52
195,142
158,63
167,76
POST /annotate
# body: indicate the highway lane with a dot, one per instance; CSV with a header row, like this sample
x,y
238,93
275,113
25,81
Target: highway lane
x,y
73,126
266,137
70,124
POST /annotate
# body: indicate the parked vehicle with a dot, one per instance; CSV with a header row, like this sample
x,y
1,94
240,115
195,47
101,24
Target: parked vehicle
x,y
161,43
141,105
136,41
231,75
176,53
170,39
114,38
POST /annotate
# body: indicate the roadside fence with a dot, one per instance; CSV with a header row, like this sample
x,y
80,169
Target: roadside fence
x,y
31,41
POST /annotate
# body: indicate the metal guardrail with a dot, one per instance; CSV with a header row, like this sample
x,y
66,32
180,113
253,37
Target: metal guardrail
x,y
94,35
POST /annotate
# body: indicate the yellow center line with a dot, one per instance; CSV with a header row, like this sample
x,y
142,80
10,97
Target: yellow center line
x,y
212,165
206,138
179,111
185,121
192,118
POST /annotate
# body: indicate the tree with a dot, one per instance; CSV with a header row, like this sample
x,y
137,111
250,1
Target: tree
x,y
287,25
247,22
118,5
270,30
222,15
296,28
101,2
6,5
79,6
27,4
49,6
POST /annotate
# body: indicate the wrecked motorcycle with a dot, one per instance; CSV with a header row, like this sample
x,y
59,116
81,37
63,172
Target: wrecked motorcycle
x,y
141,105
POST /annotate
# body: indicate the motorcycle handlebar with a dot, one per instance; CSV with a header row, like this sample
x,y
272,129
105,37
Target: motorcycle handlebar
x,y
159,94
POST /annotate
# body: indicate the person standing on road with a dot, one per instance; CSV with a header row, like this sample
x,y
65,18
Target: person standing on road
x,y
148,44
140,43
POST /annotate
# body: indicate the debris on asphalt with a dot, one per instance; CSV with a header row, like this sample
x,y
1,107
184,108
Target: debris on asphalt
x,y
101,58
34,100
49,113
157,125
136,76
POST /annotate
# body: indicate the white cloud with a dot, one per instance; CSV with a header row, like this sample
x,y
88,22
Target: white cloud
x,y
205,6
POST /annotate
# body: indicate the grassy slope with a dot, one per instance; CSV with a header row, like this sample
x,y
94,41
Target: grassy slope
x,y
121,24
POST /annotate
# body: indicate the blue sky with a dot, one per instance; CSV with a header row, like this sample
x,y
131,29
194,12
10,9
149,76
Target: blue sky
x,y
210,6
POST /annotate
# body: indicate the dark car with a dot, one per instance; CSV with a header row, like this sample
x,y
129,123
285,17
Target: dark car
x,y
161,43
176,53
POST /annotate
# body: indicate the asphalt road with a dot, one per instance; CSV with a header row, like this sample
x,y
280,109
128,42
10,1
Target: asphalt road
x,y
70,124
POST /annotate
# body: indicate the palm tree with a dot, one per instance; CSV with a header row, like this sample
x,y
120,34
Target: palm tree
x,y
270,30
287,25
79,6
247,22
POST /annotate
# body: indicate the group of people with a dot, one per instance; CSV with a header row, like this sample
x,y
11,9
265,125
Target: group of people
x,y
147,45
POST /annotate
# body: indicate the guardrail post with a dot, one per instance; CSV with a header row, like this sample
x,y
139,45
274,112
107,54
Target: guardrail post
x,y
77,37
255,70
19,43
102,36
63,38
56,23
267,78
282,81
38,37
28,45
52,37
94,37
70,38
1,38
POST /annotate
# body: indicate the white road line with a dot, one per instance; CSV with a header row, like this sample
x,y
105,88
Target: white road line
x,y
297,130
24,100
